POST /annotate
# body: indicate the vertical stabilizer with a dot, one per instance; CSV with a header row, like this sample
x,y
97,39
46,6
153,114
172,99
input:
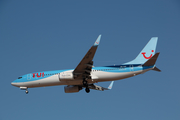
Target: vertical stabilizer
x,y
147,52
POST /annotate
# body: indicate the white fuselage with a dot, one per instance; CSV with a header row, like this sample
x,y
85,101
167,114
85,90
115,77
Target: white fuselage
x,y
98,74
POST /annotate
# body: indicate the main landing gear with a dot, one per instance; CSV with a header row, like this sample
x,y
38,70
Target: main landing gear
x,y
26,91
86,85
87,90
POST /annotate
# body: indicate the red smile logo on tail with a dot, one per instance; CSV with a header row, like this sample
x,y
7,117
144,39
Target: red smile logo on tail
x,y
143,53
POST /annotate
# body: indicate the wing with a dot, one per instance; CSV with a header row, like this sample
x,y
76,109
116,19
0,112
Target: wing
x,y
84,67
95,87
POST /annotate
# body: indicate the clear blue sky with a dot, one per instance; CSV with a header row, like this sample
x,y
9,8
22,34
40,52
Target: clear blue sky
x,y
42,35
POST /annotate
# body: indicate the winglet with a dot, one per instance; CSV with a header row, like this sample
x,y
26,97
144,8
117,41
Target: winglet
x,y
111,85
97,41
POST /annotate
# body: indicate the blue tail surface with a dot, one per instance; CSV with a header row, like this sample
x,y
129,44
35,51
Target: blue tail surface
x,y
147,52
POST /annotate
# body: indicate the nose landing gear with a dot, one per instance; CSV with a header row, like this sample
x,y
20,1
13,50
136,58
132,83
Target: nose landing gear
x,y
26,91
25,88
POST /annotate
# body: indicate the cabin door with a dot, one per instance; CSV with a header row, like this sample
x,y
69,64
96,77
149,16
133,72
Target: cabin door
x,y
28,76
131,68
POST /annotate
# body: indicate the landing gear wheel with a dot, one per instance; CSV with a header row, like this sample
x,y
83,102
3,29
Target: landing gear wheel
x,y
87,90
27,92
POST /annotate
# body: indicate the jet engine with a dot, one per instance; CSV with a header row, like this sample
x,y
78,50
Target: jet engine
x,y
72,89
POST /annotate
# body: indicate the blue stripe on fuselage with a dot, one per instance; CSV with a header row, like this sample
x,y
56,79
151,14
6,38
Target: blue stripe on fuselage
x,y
128,65
119,68
122,68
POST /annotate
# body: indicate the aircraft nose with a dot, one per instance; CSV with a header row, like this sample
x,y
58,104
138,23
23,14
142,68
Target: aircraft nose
x,y
12,83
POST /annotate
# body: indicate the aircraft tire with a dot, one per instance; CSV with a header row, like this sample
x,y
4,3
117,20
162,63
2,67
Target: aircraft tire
x,y
27,92
87,90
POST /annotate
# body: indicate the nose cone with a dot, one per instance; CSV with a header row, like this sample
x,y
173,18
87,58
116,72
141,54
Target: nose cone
x,y
14,83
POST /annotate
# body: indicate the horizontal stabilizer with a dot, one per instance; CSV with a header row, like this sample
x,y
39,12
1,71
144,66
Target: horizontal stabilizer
x,y
156,69
152,60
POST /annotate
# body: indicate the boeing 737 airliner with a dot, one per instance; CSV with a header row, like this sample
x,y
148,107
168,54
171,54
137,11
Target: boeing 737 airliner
x,y
85,74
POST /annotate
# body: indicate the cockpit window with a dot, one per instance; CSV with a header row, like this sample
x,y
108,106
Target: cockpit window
x,y
19,77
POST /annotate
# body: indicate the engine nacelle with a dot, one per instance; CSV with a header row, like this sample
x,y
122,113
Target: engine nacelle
x,y
66,76
72,89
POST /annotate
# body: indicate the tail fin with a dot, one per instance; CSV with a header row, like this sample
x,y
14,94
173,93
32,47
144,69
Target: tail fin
x,y
147,52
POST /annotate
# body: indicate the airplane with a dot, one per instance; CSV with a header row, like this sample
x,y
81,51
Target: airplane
x,y
85,75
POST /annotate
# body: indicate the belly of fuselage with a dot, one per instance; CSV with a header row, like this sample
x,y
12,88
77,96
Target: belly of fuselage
x,y
111,76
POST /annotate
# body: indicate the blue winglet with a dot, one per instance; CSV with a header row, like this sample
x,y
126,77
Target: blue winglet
x,y
111,85
97,41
